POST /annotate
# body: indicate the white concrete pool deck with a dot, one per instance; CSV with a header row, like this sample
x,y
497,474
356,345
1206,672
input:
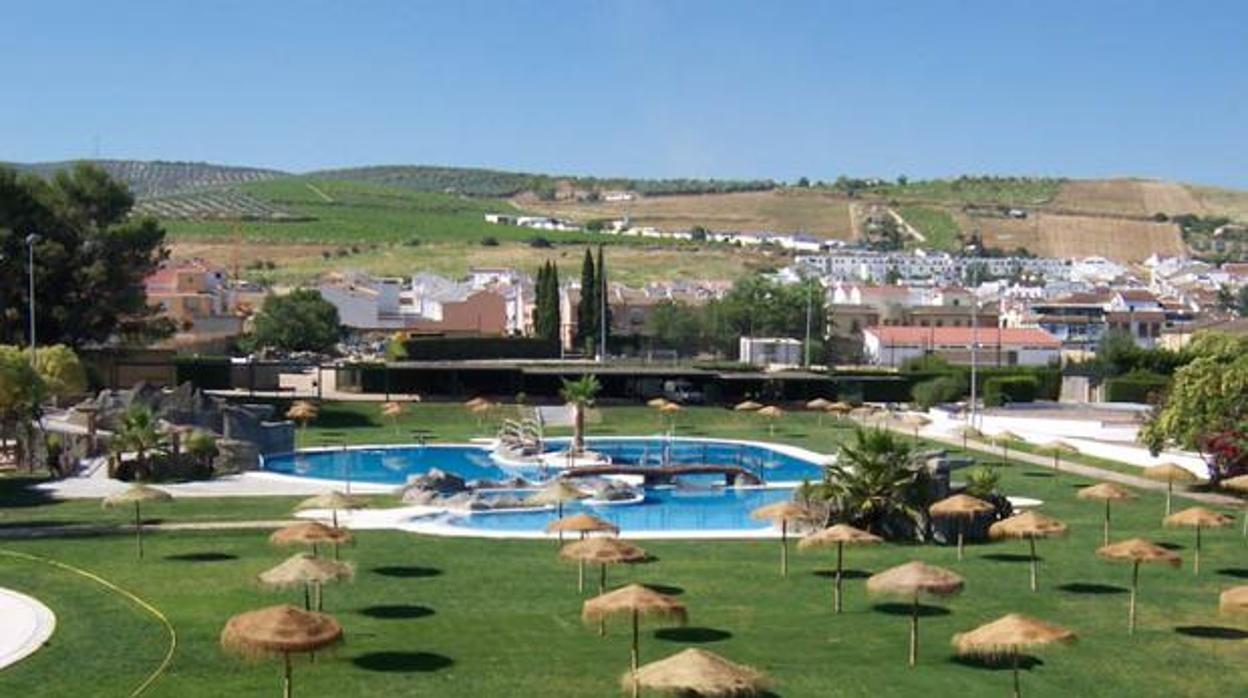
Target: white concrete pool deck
x,y
25,625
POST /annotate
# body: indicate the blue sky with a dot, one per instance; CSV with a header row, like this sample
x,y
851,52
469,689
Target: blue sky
x,y
675,88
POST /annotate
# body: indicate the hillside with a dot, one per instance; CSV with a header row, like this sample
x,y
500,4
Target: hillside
x,y
160,178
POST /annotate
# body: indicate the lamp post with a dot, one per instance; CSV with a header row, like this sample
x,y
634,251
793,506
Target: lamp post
x,y
30,268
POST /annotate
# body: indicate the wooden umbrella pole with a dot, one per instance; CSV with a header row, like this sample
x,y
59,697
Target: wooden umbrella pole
x,y
559,510
636,642
1135,585
307,596
1196,557
961,526
1169,493
836,601
1031,540
287,688
333,513
1105,534
784,547
602,589
914,630
1017,689
580,576
138,529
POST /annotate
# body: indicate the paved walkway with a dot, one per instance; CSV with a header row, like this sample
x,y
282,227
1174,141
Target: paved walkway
x,y
25,625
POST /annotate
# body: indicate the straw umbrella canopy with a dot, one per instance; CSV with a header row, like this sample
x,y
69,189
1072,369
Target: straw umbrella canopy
x,y
1198,518
557,492
772,413
602,552
582,524
782,513
1058,448
1234,601
1239,483
333,501
280,630
1010,635
700,673
311,533
912,580
656,402
302,569
136,494
476,402
1170,473
839,535
818,404
960,507
1108,492
1030,525
1136,551
636,602
747,406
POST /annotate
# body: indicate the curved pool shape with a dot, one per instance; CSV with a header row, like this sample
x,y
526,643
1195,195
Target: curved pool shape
x,y
696,504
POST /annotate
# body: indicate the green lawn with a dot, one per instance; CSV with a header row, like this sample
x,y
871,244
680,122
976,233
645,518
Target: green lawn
x,y
1003,191
463,617
936,225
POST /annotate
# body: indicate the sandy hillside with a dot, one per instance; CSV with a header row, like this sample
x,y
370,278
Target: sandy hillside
x,y
1079,236
1128,197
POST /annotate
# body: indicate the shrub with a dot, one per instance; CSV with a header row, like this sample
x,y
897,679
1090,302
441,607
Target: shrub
x,y
540,243
932,392
1137,386
489,241
1007,389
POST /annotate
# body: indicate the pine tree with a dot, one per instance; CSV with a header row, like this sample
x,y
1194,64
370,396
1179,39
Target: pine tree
x,y
586,315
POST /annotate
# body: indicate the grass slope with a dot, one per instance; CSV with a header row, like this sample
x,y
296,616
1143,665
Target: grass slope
x,y
936,225
463,617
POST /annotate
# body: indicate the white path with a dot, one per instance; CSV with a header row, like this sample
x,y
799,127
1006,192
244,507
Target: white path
x,y
25,625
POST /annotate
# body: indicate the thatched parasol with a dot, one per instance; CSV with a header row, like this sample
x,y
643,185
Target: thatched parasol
x,y
583,524
1198,518
280,630
1170,473
311,533
333,501
747,406
1108,492
302,412
1059,448
636,602
476,402
557,492
1029,525
656,402
136,494
603,552
1136,551
916,422
1009,635
839,535
1239,483
308,571
782,513
818,404
1004,439
699,673
960,507
912,580
1234,601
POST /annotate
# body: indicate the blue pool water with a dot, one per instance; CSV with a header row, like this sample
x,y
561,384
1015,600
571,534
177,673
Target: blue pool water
x,y
699,503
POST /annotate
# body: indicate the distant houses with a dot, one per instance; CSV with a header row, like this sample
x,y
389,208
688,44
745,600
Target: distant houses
x,y
1002,346
424,303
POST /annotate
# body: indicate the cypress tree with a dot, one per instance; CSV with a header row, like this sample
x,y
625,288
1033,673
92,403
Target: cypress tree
x,y
552,302
539,301
586,317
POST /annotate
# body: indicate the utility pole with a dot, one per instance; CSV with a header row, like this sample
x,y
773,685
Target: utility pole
x,y
810,289
30,268
974,343
602,318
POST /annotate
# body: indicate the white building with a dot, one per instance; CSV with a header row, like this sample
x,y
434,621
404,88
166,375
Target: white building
x,y
1005,346
770,351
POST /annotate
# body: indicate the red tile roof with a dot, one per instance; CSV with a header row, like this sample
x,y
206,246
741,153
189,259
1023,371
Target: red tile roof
x,y
927,336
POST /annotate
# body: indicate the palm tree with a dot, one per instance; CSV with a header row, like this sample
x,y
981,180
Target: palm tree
x,y
874,480
202,447
579,394
140,434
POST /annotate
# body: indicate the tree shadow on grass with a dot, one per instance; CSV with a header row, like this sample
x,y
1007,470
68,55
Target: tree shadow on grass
x,y
665,589
693,635
1211,632
54,523
1091,588
1236,572
905,609
331,418
1037,473
1010,557
1171,546
206,556
845,574
998,663
402,662
397,612
19,492
407,571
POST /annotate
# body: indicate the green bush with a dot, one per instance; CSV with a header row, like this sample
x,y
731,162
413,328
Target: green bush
x,y
1008,389
932,392
1137,386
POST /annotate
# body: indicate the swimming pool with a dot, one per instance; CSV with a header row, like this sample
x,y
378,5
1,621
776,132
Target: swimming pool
x,y
695,504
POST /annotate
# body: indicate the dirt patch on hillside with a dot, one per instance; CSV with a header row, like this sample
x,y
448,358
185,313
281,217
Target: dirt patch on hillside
x,y
1126,197
781,210
1047,234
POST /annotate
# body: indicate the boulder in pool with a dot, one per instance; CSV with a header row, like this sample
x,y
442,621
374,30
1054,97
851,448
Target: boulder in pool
x,y
438,481
615,492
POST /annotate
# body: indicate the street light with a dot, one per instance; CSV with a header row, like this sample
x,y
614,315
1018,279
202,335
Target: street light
x,y
30,268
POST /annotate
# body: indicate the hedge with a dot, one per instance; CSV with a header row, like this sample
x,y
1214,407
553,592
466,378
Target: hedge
x,y
1008,389
1137,386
